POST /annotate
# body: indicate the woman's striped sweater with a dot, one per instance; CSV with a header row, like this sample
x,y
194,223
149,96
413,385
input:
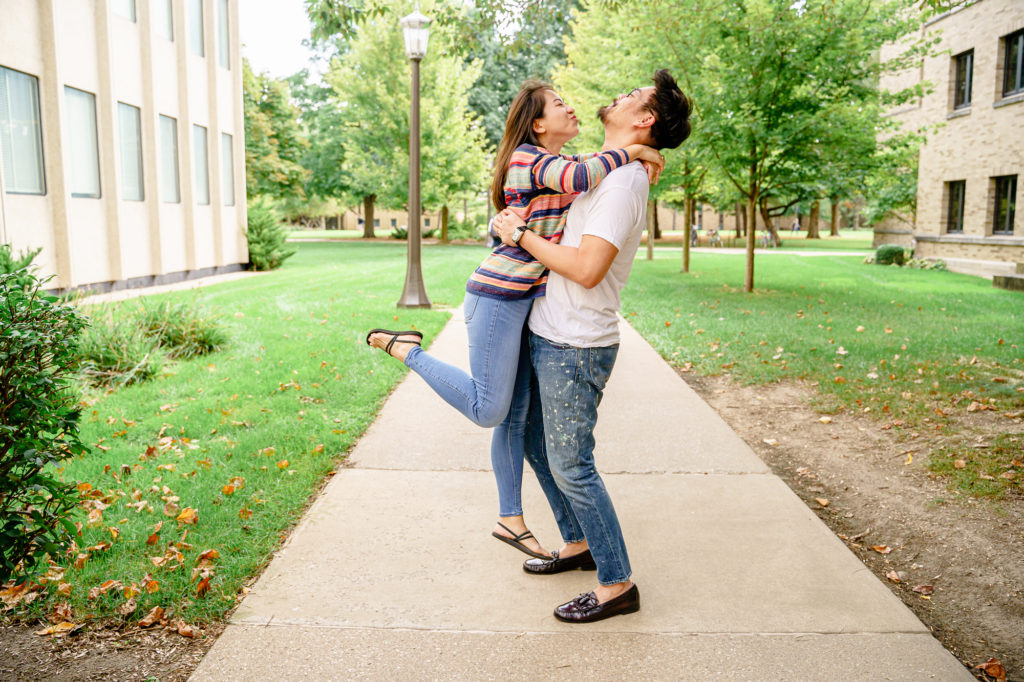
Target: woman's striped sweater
x,y
539,188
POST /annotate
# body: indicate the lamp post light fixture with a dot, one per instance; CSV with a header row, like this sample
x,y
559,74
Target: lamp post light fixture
x,y
416,31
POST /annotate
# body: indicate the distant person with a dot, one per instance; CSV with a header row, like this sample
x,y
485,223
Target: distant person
x,y
796,225
537,183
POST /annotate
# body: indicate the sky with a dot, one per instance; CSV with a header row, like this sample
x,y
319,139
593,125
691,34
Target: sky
x,y
272,32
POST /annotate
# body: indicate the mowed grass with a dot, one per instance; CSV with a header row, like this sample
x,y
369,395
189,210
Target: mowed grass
x,y
848,240
913,346
245,436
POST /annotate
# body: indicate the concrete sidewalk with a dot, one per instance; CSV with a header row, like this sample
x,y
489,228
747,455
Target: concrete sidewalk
x,y
393,574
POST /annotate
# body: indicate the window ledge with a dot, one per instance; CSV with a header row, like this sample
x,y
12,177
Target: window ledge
x,y
1011,99
957,113
960,238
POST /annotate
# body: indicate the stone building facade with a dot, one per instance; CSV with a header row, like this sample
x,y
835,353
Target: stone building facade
x,y
972,163
122,139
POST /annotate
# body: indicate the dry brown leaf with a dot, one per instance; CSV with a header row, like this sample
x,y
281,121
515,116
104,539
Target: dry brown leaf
x,y
825,420
993,668
893,576
245,513
881,549
203,587
171,509
208,555
283,464
923,589
184,629
770,441
128,607
822,501
152,586
64,589
80,560
152,618
960,464
188,515
60,629
61,613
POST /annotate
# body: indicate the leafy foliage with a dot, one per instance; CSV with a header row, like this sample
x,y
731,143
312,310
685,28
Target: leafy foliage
x,y
890,254
274,142
186,330
38,423
19,265
117,351
266,235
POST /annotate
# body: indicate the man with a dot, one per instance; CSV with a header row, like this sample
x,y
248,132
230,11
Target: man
x,y
573,341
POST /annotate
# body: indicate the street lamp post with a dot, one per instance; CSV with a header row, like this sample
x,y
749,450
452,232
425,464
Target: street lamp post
x,y
416,31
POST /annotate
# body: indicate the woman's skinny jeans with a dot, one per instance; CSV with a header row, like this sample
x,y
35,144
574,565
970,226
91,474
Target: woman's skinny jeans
x,y
498,392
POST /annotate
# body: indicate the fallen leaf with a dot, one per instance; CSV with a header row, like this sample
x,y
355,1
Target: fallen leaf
x,y
60,629
188,515
80,560
822,501
171,509
860,328
881,549
825,420
1008,475
893,576
152,539
128,607
152,586
184,629
152,618
203,587
283,464
923,589
245,513
993,668
64,589
208,555
771,441
959,464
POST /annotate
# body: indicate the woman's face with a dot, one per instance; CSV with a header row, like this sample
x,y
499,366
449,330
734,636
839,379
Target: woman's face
x,y
559,119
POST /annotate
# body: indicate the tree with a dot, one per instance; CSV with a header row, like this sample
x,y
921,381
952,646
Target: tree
x,y
371,96
274,142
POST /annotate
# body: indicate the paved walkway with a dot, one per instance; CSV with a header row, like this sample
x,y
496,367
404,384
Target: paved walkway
x,y
392,574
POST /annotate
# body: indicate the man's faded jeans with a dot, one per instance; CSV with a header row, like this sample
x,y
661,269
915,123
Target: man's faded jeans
x,y
566,388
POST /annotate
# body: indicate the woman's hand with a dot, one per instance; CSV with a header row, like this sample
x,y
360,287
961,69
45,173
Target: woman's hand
x,y
505,224
653,172
653,162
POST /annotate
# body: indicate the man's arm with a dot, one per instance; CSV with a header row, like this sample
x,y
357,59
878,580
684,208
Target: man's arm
x,y
586,265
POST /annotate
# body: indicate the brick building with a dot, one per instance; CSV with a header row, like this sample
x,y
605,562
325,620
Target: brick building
x,y
121,139
973,160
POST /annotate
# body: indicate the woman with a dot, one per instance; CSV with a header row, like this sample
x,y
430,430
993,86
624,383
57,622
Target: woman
x,y
537,183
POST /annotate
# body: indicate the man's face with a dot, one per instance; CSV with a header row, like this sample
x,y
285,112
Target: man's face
x,y
627,107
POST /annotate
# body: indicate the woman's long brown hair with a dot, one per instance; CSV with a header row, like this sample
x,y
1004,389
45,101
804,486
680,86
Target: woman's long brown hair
x,y
526,107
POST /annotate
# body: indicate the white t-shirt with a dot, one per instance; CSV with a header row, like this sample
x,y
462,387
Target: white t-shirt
x,y
616,211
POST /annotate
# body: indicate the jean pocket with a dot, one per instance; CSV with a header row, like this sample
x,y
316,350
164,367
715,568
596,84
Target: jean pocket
x,y
469,306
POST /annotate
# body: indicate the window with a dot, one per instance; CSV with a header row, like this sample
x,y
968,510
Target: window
x,y
195,27
223,53
955,205
84,154
376,222
1006,201
227,170
394,222
1013,63
124,8
21,141
170,188
964,65
163,18
426,222
201,163
130,129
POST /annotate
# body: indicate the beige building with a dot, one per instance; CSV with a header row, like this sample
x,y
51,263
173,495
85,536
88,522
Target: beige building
x,y
121,136
973,160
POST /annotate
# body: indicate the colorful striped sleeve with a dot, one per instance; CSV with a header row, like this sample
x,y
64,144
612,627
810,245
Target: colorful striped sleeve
x,y
563,175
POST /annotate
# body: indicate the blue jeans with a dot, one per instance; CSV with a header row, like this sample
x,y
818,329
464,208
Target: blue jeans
x,y
566,388
500,367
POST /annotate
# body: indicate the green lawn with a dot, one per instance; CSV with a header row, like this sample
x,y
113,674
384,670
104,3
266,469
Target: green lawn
x,y
271,415
333,234
848,240
913,345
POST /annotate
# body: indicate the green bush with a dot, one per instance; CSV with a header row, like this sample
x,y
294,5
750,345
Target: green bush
x,y
38,423
184,331
116,350
17,265
266,235
890,254
465,229
400,233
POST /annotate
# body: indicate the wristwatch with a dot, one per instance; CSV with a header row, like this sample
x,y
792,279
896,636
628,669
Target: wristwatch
x,y
518,234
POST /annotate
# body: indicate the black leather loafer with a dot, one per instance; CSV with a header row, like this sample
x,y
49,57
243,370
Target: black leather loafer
x,y
586,609
583,561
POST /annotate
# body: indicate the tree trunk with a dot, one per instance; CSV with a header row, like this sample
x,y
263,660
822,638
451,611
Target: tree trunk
x,y
444,224
368,202
741,220
651,208
812,222
751,221
834,226
675,214
657,223
687,230
465,210
769,225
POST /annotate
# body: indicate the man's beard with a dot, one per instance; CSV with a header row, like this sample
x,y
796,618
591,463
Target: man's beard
x,y
603,112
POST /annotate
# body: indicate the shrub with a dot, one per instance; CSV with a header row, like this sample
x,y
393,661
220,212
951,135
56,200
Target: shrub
x,y
184,331
400,233
117,351
926,264
465,229
889,254
17,265
266,235
38,422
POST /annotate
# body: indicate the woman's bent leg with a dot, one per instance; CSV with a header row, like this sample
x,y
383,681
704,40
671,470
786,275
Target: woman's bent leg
x,y
495,337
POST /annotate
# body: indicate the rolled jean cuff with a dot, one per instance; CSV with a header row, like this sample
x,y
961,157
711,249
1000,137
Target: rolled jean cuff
x,y
616,581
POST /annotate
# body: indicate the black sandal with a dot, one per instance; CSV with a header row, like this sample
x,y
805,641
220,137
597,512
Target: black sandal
x,y
516,541
394,337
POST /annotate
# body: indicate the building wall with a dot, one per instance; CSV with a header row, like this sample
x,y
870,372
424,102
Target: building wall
x,y
973,144
110,241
